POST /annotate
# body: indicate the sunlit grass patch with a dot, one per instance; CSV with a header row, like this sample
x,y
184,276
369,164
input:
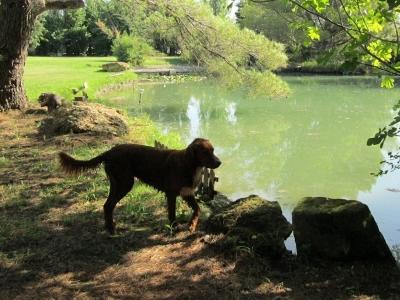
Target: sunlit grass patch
x,y
44,166
144,131
4,161
97,190
142,203
61,74
52,196
88,152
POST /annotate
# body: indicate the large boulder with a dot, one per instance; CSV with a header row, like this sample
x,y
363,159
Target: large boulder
x,y
337,229
84,118
115,67
254,223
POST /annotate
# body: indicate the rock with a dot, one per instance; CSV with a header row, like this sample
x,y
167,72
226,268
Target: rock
x,y
219,202
84,117
254,223
115,67
337,229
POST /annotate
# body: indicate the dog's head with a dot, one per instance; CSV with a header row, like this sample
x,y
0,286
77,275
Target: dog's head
x,y
202,152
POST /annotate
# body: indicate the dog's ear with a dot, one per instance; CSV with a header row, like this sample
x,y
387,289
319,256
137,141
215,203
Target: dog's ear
x,y
190,153
191,150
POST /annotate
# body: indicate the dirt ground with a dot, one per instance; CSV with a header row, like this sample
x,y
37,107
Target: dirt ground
x,y
53,246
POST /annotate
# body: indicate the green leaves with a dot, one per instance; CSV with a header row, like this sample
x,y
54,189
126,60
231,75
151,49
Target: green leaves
x,y
381,53
318,5
387,82
382,134
313,33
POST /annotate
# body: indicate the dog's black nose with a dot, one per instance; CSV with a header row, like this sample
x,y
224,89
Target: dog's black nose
x,y
217,163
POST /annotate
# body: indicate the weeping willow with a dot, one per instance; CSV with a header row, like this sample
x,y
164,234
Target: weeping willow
x,y
238,57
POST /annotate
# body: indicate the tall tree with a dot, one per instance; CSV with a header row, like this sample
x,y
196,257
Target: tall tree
x,y
17,18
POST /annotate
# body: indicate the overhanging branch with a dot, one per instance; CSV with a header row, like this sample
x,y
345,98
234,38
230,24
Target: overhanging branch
x,y
39,6
64,4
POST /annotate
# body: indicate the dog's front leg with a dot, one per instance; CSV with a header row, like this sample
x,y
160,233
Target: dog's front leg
x,y
171,208
196,212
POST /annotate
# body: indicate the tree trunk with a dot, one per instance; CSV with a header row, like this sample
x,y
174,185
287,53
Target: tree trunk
x,y
17,18
16,24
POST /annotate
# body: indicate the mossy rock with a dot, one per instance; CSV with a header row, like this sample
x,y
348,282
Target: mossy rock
x,y
115,67
218,202
252,222
84,118
337,229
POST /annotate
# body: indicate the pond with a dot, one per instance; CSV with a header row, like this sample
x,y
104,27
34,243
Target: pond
x,y
312,143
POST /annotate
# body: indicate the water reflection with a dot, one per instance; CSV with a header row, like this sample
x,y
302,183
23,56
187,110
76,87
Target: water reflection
x,y
231,113
312,144
193,113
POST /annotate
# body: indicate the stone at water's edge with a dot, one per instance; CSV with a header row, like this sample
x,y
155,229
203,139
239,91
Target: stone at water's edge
x,y
252,222
84,117
218,202
338,229
115,67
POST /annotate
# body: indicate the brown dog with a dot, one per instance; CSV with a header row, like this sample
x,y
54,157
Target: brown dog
x,y
174,172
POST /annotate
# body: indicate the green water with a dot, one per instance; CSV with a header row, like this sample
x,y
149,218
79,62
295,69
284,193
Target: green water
x,y
311,144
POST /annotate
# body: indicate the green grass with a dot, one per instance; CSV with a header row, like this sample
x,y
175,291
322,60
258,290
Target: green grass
x,y
61,74
3,161
148,132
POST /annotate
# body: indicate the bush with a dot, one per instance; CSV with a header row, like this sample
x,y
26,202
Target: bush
x,y
131,49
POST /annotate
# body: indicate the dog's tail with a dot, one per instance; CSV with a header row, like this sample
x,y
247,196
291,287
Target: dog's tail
x,y
71,165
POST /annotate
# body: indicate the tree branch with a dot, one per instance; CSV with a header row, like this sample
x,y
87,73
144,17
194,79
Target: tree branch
x,y
64,4
40,6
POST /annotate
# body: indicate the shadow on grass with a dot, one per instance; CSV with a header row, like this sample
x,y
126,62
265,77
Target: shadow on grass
x,y
74,257
78,244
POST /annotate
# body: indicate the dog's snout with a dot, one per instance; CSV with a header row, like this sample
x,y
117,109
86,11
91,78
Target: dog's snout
x,y
217,162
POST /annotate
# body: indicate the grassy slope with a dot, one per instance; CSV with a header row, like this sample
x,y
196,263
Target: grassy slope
x,y
61,74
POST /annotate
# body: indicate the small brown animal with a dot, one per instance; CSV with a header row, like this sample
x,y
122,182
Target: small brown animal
x,y
174,172
52,101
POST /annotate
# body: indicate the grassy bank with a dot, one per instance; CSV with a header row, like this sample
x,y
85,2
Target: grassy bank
x,y
61,74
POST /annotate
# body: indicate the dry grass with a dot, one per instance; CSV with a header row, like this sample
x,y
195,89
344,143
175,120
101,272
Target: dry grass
x,y
53,246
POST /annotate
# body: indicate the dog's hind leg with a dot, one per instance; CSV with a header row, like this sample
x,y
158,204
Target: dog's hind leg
x,y
191,201
171,199
118,189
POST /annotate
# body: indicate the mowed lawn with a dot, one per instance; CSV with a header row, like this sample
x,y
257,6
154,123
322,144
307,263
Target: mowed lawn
x,y
61,74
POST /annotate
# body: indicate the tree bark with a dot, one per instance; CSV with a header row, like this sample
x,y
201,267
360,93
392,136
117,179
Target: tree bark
x,y
16,23
17,18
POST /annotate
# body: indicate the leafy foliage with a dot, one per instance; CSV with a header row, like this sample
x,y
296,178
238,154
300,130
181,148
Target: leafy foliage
x,y
201,32
130,49
237,56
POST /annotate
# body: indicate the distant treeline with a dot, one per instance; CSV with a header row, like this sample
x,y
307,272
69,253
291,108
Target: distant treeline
x,y
91,31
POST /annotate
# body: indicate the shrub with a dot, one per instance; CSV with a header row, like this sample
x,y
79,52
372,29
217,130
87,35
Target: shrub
x,y
131,49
